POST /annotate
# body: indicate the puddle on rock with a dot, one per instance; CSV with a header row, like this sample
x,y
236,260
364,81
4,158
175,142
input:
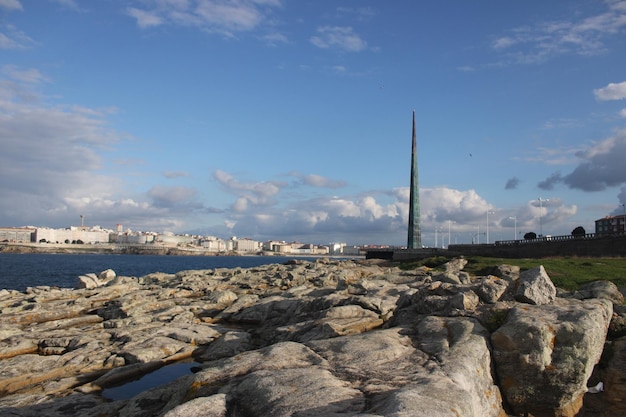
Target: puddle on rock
x,y
154,379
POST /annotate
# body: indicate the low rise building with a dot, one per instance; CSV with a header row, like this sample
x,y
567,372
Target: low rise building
x,y
214,244
352,251
611,225
16,234
72,234
245,245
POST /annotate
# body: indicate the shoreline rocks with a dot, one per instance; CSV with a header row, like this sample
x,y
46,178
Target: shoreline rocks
x,y
330,337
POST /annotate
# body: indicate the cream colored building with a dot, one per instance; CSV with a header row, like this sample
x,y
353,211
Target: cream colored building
x,y
246,245
16,234
73,234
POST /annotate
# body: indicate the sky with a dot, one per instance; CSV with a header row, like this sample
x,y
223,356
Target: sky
x,y
291,119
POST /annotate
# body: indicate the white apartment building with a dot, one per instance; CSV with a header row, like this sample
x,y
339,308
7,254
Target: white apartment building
x,y
245,245
132,238
73,234
215,244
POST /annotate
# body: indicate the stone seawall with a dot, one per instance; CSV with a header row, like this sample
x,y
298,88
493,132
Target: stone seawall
x,y
599,247
610,246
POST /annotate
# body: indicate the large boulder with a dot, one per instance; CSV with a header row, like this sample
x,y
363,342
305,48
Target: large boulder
x,y
545,354
535,287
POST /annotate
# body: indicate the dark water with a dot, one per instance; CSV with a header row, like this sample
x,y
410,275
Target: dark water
x,y
19,271
154,379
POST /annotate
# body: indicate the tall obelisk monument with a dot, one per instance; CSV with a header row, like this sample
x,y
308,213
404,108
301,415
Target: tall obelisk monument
x,y
415,235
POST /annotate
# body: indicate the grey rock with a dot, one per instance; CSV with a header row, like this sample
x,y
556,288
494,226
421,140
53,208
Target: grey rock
x,y
467,300
491,289
545,354
600,289
88,281
212,406
107,275
305,338
451,277
535,287
455,265
230,344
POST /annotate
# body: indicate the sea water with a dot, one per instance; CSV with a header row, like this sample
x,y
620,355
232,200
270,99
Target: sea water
x,y
19,271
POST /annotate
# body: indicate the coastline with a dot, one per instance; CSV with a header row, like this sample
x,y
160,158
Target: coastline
x,y
103,248
129,249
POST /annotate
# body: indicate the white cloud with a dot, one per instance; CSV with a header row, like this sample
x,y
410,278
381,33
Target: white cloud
x,y
145,19
315,180
219,16
504,42
622,112
10,4
31,75
539,42
254,194
613,91
175,174
372,217
70,4
275,38
602,165
339,37
164,196
51,161
12,38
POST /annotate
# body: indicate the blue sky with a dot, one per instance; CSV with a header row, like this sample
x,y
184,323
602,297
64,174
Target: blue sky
x,y
291,119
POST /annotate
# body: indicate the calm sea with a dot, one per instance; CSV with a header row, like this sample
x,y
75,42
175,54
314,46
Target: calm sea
x,y
18,271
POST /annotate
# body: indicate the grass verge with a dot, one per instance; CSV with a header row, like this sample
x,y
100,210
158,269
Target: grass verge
x,y
567,273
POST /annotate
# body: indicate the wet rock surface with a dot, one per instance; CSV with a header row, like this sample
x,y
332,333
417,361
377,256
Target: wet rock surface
x,y
316,338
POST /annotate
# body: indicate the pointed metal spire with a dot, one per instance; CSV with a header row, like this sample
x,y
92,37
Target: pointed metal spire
x,y
414,240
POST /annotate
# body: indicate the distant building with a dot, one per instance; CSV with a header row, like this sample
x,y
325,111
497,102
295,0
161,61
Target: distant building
x,y
16,234
276,246
352,251
336,248
246,245
611,225
132,238
213,244
73,234
175,240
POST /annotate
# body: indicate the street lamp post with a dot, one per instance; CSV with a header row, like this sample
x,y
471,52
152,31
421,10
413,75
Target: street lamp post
x,y
540,212
515,230
488,212
477,235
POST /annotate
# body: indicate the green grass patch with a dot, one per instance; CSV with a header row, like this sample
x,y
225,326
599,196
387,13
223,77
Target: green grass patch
x,y
567,273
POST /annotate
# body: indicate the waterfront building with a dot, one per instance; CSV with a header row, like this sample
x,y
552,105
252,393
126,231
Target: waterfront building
x,y
245,245
16,234
337,248
172,239
72,234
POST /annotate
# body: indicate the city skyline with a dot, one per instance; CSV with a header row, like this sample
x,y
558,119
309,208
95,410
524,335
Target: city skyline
x,y
290,120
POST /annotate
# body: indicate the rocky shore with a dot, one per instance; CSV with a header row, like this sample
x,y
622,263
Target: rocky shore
x,y
317,338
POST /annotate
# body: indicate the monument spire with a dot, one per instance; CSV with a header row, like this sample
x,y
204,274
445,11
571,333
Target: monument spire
x,y
415,235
